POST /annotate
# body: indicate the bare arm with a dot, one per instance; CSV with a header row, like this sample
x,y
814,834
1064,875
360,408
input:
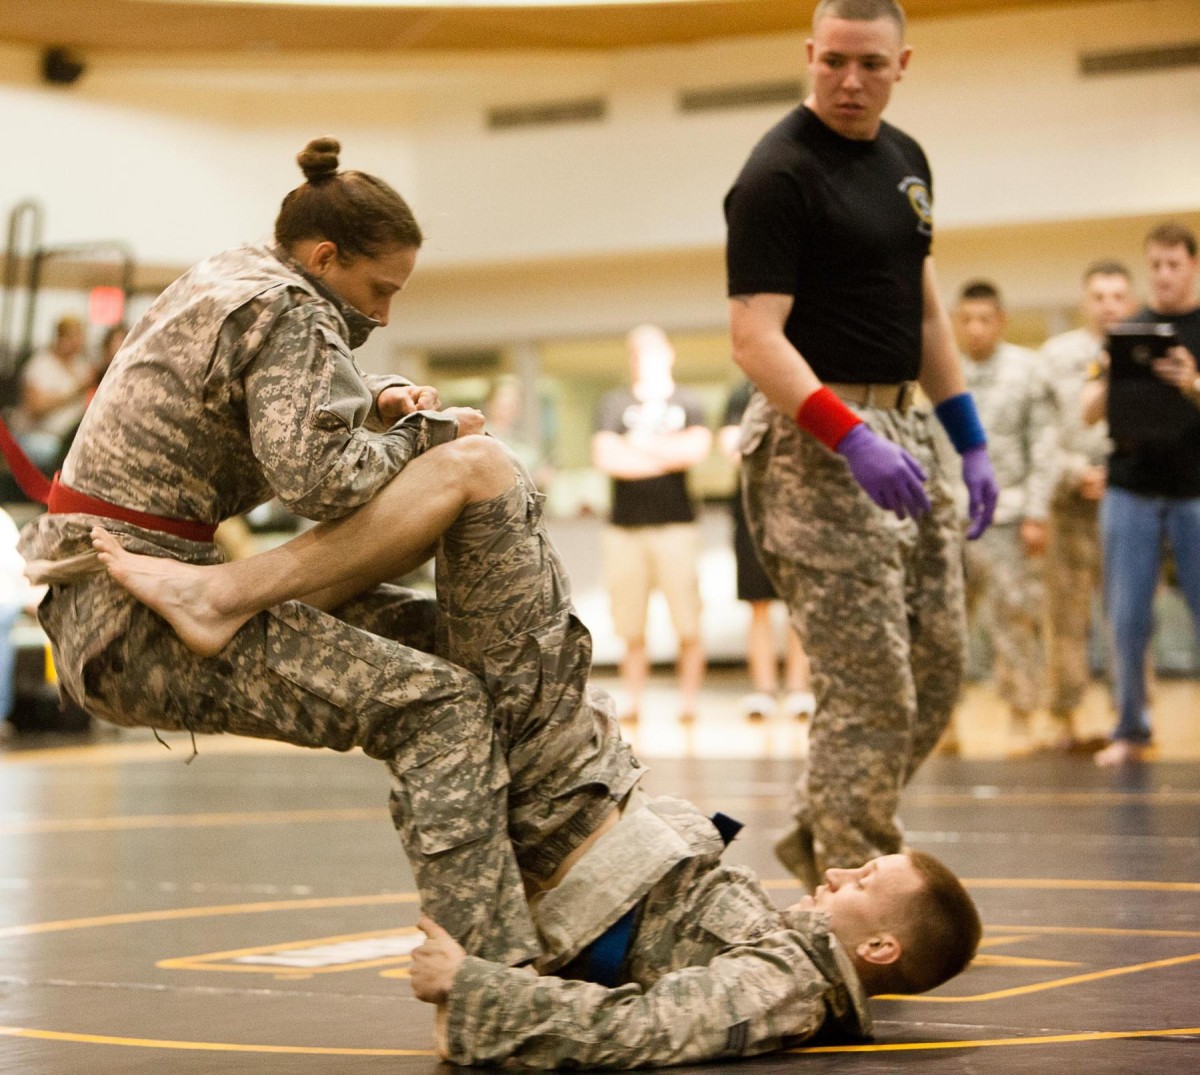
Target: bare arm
x,y
941,375
36,402
727,441
616,456
765,354
621,456
39,399
1178,369
1094,400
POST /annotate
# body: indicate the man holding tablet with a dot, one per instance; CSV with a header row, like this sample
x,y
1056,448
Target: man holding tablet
x,y
1153,473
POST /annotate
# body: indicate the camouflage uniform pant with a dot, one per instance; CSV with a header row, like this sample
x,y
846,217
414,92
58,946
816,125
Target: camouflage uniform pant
x,y
878,604
1073,573
505,615
384,674
1004,586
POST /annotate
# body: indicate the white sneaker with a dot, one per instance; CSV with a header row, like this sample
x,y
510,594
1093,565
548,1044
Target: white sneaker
x,y
758,705
1121,752
800,704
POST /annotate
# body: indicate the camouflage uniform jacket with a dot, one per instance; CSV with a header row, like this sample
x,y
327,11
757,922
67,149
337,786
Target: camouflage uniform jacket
x,y
714,970
1018,416
1066,362
235,386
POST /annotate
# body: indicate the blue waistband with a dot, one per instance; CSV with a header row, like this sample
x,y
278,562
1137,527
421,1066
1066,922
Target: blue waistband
x,y
603,960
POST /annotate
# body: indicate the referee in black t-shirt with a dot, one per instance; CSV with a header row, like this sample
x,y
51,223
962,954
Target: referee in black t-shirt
x,y
835,316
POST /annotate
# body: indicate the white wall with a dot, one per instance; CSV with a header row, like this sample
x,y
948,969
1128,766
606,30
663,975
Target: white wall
x,y
181,157
589,227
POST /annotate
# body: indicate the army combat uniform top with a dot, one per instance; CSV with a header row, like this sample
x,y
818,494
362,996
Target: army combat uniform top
x,y
713,969
1018,415
236,385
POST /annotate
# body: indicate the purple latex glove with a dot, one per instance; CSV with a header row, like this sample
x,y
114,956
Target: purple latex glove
x,y
982,491
891,477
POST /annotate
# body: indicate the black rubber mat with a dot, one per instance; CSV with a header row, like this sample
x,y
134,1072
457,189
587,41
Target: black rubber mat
x,y
251,912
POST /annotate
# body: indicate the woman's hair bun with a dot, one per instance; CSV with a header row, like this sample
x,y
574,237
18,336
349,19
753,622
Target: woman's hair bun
x,y
319,159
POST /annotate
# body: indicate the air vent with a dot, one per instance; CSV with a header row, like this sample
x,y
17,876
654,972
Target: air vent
x,y
464,361
547,113
1137,61
751,95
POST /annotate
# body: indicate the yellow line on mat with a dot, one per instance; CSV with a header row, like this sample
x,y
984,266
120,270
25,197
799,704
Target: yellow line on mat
x,y
175,913
984,1043
203,1046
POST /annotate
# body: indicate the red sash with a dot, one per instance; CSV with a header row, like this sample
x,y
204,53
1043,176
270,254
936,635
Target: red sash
x,y
63,500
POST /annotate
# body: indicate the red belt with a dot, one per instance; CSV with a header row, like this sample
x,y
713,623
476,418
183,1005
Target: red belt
x,y
63,500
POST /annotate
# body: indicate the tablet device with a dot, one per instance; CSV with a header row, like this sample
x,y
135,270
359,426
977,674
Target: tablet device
x,y
1142,409
1132,349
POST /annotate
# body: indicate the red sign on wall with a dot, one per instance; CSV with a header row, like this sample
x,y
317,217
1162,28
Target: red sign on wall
x,y
106,306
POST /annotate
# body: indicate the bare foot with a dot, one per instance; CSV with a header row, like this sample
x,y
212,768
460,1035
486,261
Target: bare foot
x,y
182,594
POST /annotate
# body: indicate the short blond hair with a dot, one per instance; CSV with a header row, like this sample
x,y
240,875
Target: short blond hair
x,y
861,11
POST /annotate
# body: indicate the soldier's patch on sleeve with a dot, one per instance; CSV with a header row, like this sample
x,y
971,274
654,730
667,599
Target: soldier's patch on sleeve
x,y
739,1035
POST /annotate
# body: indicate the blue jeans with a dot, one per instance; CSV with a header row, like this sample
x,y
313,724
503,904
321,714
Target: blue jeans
x,y
1133,529
8,657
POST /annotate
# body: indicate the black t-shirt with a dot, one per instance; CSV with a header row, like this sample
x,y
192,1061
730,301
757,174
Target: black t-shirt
x,y
843,226
1158,468
650,501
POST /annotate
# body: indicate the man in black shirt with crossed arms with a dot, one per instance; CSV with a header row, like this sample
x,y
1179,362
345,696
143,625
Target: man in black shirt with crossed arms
x,y
835,314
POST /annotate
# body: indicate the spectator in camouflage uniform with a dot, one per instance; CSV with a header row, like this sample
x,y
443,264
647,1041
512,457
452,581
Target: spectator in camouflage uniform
x,y
1004,568
237,385
1073,556
708,967
835,316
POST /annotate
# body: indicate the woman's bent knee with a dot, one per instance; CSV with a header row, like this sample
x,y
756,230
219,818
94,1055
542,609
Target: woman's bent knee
x,y
480,465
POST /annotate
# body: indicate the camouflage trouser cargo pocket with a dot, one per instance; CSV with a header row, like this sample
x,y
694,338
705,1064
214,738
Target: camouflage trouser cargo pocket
x,y
314,651
566,758
440,801
803,505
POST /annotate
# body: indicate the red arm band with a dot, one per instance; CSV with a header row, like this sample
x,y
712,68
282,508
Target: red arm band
x,y
826,417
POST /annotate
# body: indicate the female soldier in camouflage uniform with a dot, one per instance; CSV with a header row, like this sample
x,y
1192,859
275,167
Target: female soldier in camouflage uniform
x,y
238,385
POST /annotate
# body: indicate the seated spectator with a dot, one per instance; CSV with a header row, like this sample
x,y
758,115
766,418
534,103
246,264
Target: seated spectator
x,y
55,385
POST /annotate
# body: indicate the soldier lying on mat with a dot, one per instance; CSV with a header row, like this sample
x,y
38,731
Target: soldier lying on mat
x,y
701,966
651,950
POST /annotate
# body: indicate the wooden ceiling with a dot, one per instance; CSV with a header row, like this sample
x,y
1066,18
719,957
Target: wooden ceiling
x,y
174,26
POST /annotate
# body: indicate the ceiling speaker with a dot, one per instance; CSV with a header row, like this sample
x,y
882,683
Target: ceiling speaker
x,y
61,66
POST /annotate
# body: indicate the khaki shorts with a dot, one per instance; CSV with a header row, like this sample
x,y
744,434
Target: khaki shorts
x,y
641,559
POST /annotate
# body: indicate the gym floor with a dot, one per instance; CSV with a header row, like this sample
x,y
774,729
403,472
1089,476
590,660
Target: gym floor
x,y
251,912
